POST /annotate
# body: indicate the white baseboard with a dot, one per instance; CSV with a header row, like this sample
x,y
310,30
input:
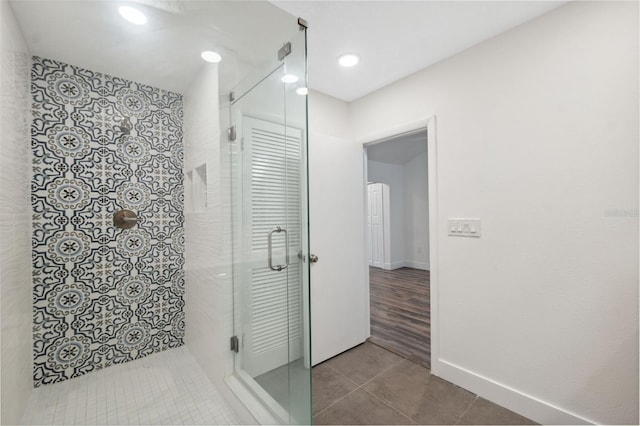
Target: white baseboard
x,y
405,263
417,265
526,405
394,265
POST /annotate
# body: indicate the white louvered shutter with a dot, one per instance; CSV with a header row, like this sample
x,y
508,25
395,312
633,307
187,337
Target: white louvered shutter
x,y
271,194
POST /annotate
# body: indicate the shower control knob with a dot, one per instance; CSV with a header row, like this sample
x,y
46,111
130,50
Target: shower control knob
x,y
313,258
125,219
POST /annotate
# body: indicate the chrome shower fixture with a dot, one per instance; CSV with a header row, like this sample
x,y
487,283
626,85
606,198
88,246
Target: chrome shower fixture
x,y
125,125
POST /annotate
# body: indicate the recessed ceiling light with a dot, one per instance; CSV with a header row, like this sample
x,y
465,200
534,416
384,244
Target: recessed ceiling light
x,y
211,56
289,78
302,91
132,15
348,60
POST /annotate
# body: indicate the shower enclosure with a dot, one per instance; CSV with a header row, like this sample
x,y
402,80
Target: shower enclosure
x,y
167,202
268,157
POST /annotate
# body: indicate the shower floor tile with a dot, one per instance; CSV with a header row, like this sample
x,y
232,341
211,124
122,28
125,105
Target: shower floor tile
x,y
165,388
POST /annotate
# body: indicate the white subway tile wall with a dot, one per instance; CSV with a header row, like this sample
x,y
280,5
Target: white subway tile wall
x,y
15,217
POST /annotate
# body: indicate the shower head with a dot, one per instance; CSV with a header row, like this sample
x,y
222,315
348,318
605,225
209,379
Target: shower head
x,y
125,125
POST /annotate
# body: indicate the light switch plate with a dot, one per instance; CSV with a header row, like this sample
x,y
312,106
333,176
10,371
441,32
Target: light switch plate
x,y
464,227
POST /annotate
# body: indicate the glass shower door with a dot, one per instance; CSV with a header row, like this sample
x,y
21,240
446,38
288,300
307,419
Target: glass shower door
x,y
268,140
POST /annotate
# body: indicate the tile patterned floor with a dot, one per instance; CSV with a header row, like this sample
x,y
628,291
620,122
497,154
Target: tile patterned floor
x,y
370,385
165,388
365,385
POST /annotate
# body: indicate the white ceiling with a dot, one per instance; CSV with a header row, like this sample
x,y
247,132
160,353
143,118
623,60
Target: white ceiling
x,y
394,38
397,38
165,52
400,149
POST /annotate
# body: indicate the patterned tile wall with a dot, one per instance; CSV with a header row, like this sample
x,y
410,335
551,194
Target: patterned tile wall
x,y
102,295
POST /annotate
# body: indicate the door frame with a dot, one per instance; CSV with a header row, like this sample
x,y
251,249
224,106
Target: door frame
x,y
428,124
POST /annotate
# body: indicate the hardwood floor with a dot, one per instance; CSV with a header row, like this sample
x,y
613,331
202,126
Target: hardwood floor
x,y
400,312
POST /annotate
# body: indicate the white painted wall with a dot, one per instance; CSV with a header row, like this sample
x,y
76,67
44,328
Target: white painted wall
x,y
537,135
393,176
416,212
339,298
209,301
15,220
409,233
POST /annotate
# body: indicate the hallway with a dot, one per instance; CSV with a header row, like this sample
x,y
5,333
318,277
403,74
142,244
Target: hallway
x,y
400,312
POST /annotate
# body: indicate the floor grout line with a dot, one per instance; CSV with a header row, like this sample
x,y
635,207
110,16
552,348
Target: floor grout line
x,y
335,402
361,386
465,411
388,404
343,396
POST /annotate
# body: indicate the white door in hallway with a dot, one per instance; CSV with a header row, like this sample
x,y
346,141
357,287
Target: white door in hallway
x,y
377,215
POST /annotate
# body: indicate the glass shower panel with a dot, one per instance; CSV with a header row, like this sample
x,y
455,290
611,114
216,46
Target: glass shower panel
x,y
270,222
299,367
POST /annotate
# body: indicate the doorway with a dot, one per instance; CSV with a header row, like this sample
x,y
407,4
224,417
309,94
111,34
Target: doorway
x,y
398,245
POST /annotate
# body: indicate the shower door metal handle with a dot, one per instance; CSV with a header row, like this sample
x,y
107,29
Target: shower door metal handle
x,y
278,229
